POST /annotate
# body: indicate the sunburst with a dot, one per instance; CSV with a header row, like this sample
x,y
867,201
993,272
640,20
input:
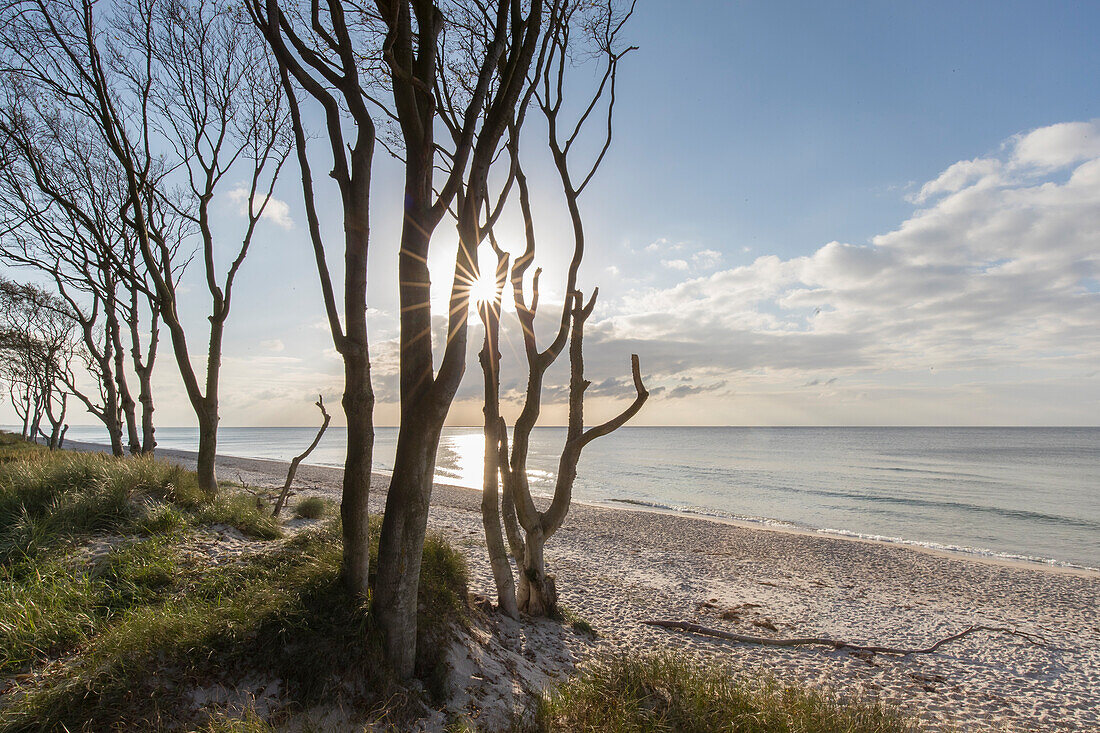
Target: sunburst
x,y
483,289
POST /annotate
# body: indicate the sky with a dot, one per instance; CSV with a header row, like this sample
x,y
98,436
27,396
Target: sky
x,y
819,213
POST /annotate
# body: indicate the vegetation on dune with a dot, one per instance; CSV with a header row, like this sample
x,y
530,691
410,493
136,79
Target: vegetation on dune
x,y
107,621
313,507
654,694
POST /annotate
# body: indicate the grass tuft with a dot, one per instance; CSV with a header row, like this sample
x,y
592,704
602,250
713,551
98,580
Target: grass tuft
x,y
243,512
665,692
313,507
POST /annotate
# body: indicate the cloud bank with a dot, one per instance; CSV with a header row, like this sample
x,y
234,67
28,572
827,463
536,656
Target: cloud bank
x,y
997,273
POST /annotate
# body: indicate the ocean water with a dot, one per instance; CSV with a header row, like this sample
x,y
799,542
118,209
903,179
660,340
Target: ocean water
x,y
1022,493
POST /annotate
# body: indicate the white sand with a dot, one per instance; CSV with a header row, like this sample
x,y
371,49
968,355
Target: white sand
x,y
617,567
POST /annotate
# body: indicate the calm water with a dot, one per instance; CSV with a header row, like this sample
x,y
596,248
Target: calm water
x,y
1019,492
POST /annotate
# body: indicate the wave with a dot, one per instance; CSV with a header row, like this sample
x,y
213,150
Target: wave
x,y
1005,512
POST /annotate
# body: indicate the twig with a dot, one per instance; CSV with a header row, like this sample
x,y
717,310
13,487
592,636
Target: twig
x,y
837,643
281,501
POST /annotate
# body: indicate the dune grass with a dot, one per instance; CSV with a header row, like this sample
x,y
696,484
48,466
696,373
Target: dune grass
x,y
312,507
666,692
106,623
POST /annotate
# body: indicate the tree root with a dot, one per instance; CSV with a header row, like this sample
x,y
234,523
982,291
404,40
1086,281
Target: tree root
x,y
837,643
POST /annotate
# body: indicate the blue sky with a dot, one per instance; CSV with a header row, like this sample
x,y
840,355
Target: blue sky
x,y
813,213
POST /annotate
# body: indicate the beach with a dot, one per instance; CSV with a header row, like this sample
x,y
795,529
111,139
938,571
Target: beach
x,y
616,568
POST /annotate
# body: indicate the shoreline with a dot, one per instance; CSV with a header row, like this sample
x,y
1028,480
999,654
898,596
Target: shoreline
x,y
976,554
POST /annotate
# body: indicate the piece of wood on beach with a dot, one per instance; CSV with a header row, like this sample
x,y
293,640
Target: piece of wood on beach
x,y
691,628
285,493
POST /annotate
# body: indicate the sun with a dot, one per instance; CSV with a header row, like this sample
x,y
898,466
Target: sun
x,y
483,289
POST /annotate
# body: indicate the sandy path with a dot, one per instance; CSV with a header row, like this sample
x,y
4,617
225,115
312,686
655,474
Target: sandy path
x,y
616,567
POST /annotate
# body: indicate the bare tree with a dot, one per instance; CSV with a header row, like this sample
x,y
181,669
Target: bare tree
x,y
180,93
37,347
496,46
59,201
600,24
320,51
414,65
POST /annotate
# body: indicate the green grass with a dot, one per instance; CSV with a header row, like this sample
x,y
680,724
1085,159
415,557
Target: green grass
x,y
52,604
49,497
109,625
313,507
243,512
655,694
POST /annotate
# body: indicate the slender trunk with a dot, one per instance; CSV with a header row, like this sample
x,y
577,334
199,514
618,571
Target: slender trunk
x,y
490,519
144,370
490,510
208,411
358,400
208,450
57,426
36,420
358,403
145,396
126,399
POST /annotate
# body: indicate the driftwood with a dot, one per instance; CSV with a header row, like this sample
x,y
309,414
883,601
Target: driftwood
x,y
835,643
281,501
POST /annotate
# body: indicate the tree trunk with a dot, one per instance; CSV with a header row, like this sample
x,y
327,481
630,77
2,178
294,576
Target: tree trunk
x,y
208,450
206,408
129,412
125,398
114,433
145,396
358,403
490,519
401,544
538,595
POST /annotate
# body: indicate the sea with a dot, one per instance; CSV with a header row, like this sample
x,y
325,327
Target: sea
x,y
1029,494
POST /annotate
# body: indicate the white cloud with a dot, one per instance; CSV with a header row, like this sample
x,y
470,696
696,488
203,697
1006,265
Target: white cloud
x,y
276,211
999,274
957,176
1058,146
275,345
675,264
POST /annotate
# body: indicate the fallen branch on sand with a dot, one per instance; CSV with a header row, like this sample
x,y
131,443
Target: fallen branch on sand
x,y
835,643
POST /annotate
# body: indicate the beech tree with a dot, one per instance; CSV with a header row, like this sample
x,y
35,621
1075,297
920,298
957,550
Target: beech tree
x,y
459,68
502,41
185,101
600,25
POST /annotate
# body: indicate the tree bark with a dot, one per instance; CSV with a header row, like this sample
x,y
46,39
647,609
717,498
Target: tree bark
x,y
401,544
208,449
490,510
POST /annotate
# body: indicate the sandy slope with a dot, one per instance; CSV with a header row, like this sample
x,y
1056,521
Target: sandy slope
x,y
618,567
